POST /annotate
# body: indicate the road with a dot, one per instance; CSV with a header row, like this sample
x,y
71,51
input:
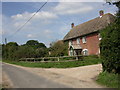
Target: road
x,y
25,79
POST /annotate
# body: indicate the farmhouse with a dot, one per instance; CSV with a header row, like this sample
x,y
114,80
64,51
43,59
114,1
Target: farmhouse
x,y
85,38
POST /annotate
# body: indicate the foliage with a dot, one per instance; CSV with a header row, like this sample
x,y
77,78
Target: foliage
x,y
108,79
59,48
32,49
110,46
35,44
9,49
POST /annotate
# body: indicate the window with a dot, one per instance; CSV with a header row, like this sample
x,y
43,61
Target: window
x,y
99,36
85,51
84,39
78,40
70,42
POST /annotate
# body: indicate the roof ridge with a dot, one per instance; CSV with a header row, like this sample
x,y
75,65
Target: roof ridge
x,y
92,19
90,26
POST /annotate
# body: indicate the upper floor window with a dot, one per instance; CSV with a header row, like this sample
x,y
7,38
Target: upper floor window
x,y
70,42
78,40
99,36
84,39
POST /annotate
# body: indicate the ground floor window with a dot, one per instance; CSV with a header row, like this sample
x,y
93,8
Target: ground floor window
x,y
85,51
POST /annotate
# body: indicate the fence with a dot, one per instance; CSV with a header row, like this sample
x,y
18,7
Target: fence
x,y
51,59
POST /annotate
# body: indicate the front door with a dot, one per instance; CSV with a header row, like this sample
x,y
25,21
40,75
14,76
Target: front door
x,y
78,52
71,52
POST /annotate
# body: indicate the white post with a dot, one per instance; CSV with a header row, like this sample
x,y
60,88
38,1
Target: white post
x,y
58,58
43,59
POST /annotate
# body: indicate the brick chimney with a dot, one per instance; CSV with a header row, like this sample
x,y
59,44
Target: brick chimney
x,y
101,12
72,25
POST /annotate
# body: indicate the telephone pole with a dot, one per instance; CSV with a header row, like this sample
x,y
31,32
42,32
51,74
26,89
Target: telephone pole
x,y
5,41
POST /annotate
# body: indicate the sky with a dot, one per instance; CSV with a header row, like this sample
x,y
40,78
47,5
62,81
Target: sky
x,y
50,24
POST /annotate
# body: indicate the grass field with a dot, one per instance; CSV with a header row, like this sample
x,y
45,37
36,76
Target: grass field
x,y
108,79
86,61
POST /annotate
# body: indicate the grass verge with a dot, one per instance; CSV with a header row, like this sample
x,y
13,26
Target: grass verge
x,y
85,61
108,79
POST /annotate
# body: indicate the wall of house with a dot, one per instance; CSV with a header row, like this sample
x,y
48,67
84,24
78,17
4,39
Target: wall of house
x,y
74,41
92,43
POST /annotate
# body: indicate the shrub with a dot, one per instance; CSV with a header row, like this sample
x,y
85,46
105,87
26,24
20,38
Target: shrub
x,y
110,48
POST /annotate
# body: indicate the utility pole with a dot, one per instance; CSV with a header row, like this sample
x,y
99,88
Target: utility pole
x,y
5,41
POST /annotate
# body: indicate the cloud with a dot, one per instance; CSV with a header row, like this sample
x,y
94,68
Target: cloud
x,y
1,32
43,15
72,8
31,36
42,18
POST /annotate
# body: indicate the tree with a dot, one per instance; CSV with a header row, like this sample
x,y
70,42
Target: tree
x,y
12,44
59,48
8,50
32,42
32,49
35,44
110,45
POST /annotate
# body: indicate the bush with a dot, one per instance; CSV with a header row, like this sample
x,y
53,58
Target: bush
x,y
110,46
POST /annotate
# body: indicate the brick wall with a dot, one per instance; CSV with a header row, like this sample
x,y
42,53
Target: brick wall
x,y
92,44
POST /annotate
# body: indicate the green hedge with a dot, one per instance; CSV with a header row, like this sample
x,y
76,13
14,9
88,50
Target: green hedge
x,y
110,48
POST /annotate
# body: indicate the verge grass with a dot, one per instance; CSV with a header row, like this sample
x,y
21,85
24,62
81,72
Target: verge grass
x,y
108,79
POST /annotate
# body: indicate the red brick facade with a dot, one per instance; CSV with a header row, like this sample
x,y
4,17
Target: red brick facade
x,y
92,44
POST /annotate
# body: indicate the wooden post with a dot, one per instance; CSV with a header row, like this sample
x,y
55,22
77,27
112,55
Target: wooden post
x,y
58,59
76,57
43,59
26,59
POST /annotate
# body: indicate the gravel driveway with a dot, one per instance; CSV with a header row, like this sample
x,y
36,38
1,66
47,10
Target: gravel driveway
x,y
78,77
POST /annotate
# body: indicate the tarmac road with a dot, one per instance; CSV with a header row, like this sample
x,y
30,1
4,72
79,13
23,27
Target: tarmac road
x,y
23,79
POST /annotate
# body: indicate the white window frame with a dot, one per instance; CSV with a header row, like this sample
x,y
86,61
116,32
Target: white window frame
x,y
99,36
70,42
78,40
85,51
84,39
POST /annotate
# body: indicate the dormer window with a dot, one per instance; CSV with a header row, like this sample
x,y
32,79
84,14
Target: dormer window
x,y
99,36
84,39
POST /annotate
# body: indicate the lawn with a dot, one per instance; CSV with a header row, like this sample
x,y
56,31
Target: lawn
x,y
108,79
88,60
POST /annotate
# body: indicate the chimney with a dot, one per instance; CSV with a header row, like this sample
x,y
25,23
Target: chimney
x,y
72,25
101,12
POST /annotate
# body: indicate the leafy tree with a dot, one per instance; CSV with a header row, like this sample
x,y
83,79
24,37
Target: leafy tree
x,y
59,48
9,49
35,44
32,42
110,45
12,44
32,49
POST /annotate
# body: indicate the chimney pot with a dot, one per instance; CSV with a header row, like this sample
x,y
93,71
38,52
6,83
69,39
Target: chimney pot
x,y
101,12
72,25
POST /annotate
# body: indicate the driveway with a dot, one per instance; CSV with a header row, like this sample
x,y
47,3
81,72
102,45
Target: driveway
x,y
79,77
